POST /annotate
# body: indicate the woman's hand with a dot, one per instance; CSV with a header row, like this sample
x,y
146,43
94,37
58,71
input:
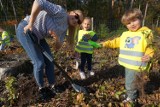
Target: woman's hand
x,y
146,58
58,44
28,27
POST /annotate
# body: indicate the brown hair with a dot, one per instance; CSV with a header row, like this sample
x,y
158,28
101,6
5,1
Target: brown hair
x,y
72,30
131,14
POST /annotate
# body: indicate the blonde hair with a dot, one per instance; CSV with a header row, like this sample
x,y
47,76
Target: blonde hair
x,y
130,15
86,18
72,29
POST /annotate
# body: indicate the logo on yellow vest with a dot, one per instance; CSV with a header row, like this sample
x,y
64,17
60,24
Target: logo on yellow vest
x,y
131,42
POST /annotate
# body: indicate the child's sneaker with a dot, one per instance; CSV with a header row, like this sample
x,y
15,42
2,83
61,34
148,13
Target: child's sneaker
x,y
127,100
91,73
82,75
76,65
130,101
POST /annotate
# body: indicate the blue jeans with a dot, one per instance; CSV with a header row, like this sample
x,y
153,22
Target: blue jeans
x,y
40,62
130,76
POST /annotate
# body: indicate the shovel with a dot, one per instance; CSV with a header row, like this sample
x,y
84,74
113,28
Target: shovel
x,y
76,87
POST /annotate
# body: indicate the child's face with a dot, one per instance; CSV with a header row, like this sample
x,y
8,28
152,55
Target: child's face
x,y
134,25
86,25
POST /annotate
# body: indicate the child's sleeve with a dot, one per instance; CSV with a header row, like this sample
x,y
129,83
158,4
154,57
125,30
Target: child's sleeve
x,y
94,44
150,48
115,43
94,38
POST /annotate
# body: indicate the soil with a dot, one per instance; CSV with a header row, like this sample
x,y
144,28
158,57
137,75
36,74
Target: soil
x,y
103,88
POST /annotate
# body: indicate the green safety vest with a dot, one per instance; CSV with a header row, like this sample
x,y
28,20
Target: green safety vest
x,y
85,47
7,40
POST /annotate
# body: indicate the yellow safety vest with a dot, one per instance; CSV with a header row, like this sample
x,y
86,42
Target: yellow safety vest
x,y
132,48
82,46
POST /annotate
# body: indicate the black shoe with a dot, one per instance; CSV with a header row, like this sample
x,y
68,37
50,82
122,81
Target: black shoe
x,y
43,96
57,89
49,92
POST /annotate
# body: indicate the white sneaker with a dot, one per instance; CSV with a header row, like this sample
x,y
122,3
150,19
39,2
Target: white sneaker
x,y
82,75
91,73
129,100
76,65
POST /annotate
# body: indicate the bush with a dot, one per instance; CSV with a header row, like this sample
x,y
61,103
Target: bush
x,y
10,29
157,31
119,31
103,31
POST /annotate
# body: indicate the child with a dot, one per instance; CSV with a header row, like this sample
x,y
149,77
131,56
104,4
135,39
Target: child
x,y
85,46
4,40
135,49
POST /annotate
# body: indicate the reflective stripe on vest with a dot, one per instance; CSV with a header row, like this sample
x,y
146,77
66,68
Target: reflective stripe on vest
x,y
132,48
134,63
133,53
84,43
133,60
84,47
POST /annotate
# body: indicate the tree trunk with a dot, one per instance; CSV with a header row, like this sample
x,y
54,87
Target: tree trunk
x,y
14,14
113,3
3,10
143,23
132,1
157,21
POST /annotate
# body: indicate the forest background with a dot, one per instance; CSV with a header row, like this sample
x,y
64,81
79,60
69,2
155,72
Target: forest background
x,y
109,80
106,14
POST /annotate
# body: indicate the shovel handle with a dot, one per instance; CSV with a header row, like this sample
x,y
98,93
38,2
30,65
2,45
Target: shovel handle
x,y
48,56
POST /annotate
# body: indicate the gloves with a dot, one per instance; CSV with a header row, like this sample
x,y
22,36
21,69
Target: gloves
x,y
94,44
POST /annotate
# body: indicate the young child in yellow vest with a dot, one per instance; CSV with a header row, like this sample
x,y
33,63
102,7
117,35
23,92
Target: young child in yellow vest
x,y
85,45
135,49
4,39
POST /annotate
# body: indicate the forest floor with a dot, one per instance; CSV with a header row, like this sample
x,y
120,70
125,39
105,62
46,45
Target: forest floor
x,y
104,89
